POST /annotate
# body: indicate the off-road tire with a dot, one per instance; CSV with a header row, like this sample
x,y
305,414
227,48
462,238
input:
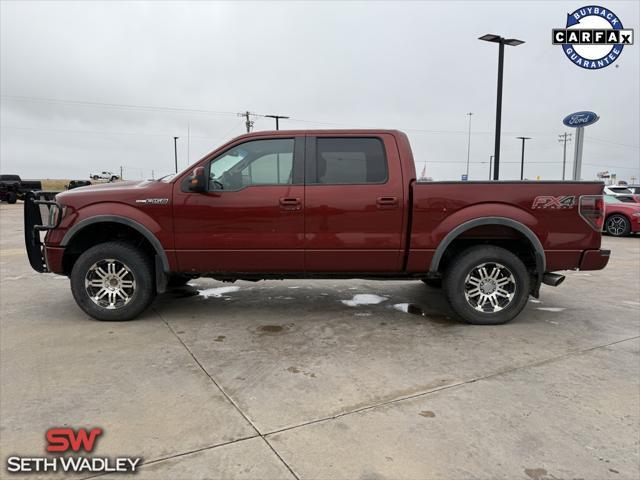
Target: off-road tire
x,y
141,268
455,283
12,197
617,225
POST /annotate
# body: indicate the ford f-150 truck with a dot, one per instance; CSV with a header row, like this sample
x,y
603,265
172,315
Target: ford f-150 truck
x,y
316,204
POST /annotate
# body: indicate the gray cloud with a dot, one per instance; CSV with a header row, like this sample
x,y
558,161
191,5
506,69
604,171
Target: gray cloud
x,y
413,66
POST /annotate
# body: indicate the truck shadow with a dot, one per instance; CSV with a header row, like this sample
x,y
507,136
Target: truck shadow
x,y
402,301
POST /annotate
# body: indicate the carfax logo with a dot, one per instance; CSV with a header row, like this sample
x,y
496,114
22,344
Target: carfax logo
x,y
593,38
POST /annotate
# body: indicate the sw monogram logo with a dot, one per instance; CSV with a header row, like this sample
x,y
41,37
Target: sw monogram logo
x,y
554,203
65,439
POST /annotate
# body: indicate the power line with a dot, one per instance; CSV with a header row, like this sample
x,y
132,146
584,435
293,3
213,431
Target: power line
x,y
156,108
116,105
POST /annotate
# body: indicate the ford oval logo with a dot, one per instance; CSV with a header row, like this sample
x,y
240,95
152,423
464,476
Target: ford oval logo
x,y
580,119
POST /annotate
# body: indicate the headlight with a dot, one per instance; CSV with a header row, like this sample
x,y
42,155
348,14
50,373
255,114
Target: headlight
x,y
56,214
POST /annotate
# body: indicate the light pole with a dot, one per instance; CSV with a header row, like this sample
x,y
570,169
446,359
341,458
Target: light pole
x,y
524,139
501,41
469,144
490,162
277,117
175,151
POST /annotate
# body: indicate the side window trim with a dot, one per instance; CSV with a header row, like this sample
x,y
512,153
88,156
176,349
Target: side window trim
x,y
311,165
298,165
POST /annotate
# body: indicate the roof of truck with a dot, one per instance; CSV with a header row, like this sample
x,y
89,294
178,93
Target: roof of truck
x,y
333,131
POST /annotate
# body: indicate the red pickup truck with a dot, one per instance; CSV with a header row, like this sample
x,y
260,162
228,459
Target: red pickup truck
x,y
316,204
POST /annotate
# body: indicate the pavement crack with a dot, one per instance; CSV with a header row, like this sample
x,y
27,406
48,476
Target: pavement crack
x,y
228,397
213,380
453,385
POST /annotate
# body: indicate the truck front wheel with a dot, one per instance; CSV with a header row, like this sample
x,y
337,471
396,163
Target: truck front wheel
x,y
12,197
487,285
113,281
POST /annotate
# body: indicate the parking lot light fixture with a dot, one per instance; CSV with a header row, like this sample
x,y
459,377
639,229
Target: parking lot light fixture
x,y
501,41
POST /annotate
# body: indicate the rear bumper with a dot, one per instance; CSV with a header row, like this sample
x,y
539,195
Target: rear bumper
x,y
594,259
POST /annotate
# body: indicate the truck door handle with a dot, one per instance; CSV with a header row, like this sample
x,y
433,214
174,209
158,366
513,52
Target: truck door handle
x,y
387,202
290,203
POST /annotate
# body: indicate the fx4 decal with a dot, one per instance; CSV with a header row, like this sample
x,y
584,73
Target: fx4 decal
x,y
554,203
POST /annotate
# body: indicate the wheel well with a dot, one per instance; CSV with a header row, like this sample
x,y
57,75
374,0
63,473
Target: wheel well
x,y
616,213
100,233
497,235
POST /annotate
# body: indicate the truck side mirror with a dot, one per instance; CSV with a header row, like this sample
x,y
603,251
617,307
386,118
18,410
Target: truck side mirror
x,y
198,181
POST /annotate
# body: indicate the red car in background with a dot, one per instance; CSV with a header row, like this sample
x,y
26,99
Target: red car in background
x,y
621,218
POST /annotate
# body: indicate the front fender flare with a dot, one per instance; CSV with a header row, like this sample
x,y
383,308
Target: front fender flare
x,y
153,240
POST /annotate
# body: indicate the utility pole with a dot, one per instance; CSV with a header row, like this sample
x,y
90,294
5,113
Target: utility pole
x,y
175,151
490,162
248,122
469,144
121,173
564,138
277,117
524,139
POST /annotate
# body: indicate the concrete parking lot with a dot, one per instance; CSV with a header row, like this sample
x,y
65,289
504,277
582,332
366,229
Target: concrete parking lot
x,y
295,379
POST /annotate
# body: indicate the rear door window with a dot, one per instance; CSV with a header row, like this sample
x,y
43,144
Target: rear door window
x,y
350,161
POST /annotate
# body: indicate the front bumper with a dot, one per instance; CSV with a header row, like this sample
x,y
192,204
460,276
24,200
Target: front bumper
x,y
594,259
38,218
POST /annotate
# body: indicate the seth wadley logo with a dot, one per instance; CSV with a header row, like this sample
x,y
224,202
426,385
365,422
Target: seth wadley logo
x,y
593,37
68,441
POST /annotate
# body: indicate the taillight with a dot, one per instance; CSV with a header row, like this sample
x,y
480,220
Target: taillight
x,y
591,209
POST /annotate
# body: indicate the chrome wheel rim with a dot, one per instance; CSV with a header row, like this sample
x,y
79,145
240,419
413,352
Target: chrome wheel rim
x,y
616,225
110,284
489,287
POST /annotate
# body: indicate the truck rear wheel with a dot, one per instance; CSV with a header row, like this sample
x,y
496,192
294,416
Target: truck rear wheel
x,y
12,197
113,281
487,285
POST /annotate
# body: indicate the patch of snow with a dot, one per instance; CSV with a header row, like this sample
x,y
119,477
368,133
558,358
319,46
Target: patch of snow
x,y
551,309
629,302
362,314
293,287
217,292
402,307
364,299
534,300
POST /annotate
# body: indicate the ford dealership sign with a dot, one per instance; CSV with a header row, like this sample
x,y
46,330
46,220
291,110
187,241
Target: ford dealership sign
x,y
580,119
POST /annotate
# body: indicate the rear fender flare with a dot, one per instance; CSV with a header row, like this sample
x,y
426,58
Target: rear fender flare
x,y
502,221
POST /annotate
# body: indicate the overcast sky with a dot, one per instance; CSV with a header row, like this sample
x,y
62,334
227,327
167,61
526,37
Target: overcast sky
x,y
415,66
